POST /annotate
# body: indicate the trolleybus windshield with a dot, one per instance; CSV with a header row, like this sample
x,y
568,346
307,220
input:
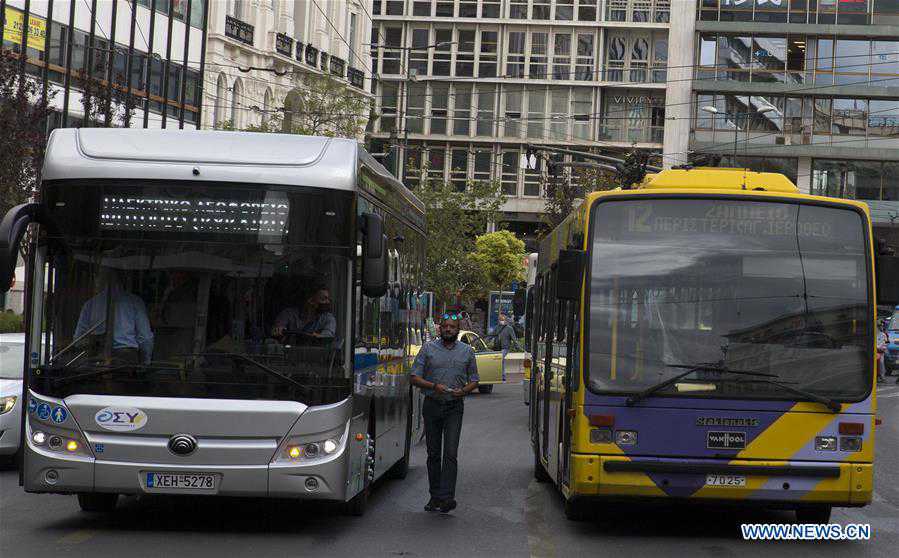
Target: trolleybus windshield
x,y
204,290
769,287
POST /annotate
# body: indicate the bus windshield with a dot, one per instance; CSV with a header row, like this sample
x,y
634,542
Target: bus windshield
x,y
211,291
768,287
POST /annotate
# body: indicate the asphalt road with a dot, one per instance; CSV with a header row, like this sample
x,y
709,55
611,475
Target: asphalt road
x,y
502,512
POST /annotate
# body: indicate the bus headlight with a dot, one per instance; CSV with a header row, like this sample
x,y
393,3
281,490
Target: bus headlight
x,y
309,451
7,403
826,443
850,443
626,437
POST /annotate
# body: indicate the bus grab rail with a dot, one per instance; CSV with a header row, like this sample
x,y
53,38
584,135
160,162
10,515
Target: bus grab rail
x,y
815,471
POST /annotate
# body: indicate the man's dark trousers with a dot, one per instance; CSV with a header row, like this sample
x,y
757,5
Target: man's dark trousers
x,y
443,427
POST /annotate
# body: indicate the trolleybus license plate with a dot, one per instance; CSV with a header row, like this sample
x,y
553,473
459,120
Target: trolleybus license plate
x,y
725,480
188,481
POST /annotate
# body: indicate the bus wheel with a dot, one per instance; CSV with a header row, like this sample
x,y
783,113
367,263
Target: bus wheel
x,y
813,514
540,473
486,389
97,502
575,510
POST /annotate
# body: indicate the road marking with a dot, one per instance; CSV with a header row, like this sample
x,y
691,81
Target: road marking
x,y
541,539
77,537
889,395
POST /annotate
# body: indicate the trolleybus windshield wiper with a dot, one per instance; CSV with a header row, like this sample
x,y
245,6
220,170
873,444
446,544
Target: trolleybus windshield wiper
x,y
832,405
264,368
718,368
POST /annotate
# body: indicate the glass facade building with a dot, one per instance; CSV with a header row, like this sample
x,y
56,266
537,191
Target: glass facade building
x,y
464,85
806,87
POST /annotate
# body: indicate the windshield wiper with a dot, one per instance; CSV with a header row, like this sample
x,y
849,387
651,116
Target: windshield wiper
x,y
832,405
718,368
92,373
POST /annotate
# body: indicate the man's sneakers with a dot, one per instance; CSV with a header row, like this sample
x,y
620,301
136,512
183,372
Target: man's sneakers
x,y
447,506
433,504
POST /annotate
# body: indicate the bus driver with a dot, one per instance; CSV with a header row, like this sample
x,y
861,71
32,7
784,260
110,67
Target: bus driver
x,y
316,319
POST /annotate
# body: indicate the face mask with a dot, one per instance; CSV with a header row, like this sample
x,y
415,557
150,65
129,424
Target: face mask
x,y
324,307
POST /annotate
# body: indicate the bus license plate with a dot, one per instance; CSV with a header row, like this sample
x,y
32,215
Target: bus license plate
x,y
725,480
180,481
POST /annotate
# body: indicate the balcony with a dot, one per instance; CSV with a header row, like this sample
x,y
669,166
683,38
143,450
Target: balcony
x,y
300,49
283,45
324,61
238,30
338,67
311,56
356,77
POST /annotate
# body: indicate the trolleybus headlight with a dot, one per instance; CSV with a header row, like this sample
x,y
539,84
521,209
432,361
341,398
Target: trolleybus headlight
x,y
850,443
601,436
826,443
626,437
39,438
294,451
72,445
311,450
7,403
330,446
55,443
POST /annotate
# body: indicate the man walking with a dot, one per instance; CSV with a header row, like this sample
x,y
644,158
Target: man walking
x,y
506,339
446,370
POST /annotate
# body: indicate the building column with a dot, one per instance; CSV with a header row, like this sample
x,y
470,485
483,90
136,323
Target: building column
x,y
679,91
804,170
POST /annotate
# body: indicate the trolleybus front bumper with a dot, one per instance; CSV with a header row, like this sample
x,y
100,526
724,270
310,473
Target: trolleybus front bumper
x,y
834,483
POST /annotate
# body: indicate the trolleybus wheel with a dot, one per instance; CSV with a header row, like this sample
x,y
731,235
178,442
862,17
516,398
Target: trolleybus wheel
x,y
539,470
486,388
813,514
575,510
97,502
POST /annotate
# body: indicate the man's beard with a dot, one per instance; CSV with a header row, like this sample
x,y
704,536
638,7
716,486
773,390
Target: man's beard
x,y
449,338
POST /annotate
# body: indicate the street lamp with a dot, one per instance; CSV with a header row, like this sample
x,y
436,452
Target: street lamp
x,y
409,77
713,111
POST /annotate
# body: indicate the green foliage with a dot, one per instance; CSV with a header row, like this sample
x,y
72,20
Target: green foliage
x,y
11,323
564,193
499,256
454,220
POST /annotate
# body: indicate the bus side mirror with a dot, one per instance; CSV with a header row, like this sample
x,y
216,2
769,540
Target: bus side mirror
x,y
374,256
12,229
570,274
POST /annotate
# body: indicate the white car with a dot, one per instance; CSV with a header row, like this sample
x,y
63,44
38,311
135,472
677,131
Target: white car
x,y
12,360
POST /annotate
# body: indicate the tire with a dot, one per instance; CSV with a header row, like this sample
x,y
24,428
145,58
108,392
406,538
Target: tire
x,y
575,510
486,389
813,514
97,502
540,474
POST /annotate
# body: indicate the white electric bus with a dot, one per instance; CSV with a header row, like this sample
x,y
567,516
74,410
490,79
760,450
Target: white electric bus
x,y
223,313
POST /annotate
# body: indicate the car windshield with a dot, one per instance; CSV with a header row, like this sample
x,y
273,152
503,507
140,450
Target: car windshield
x,y
776,288
12,356
211,292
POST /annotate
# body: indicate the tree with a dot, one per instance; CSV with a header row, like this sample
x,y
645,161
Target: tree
x,y
454,219
499,255
564,192
23,120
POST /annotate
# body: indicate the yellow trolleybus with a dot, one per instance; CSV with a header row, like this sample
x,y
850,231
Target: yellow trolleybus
x,y
707,335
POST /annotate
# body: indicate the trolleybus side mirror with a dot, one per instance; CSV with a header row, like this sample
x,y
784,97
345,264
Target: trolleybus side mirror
x,y
570,274
12,229
374,256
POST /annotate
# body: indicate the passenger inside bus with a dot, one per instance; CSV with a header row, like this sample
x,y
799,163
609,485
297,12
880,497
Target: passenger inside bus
x,y
132,338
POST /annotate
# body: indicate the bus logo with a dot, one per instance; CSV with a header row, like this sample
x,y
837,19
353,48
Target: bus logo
x,y
121,419
726,440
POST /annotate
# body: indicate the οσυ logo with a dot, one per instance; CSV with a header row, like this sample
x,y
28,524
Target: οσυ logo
x,y
121,419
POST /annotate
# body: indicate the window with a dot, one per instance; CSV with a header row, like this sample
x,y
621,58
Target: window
x,y
509,173
734,56
518,9
487,61
586,10
394,7
482,163
389,95
583,70
616,10
562,56
537,61
639,59
444,9
351,59
883,119
581,112
532,179
885,62
486,98
769,59
465,53
439,105
413,167
490,8
462,109
515,56
851,66
706,57
468,8
221,96
442,53
415,109
436,163
459,169
393,40
236,95
421,7
564,10
660,60
540,9
513,112
558,113
418,55
536,112
850,117
615,58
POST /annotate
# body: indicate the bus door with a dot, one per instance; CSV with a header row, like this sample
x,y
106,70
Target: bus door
x,y
534,332
548,368
569,384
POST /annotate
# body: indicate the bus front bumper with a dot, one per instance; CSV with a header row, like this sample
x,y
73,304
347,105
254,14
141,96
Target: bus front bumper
x,y
50,472
832,483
